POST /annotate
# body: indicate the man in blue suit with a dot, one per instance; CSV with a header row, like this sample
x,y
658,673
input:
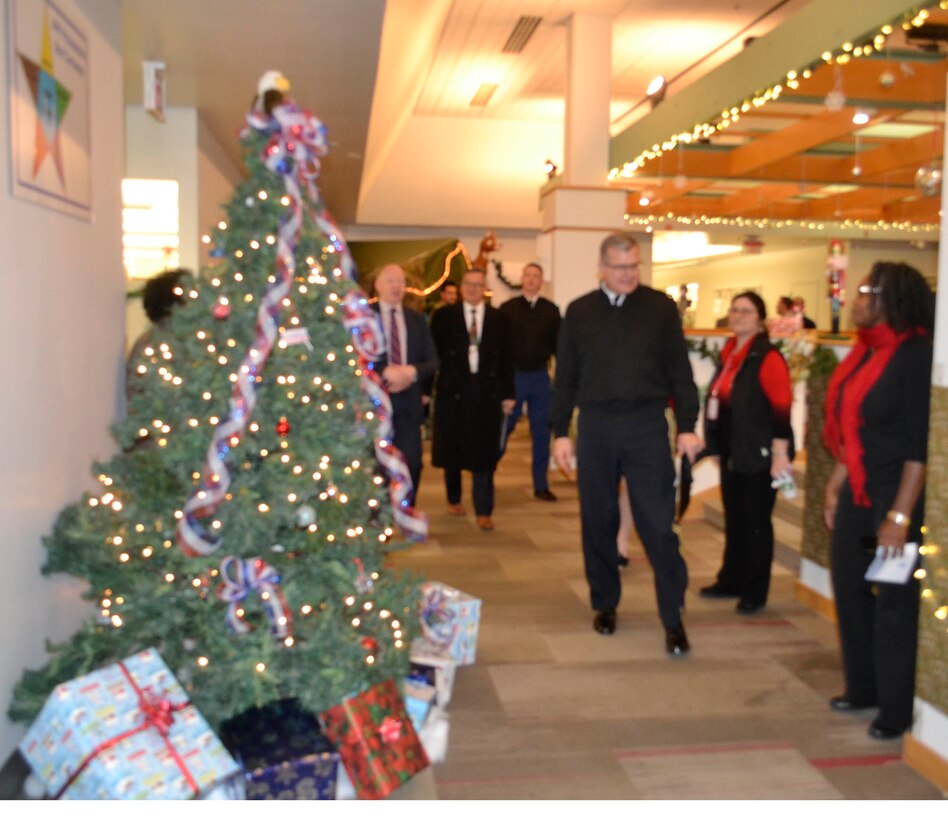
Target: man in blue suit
x,y
408,367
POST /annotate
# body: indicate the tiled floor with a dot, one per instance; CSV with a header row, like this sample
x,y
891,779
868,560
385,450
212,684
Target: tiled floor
x,y
552,710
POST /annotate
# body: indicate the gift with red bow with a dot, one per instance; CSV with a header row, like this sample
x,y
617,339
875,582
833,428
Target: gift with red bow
x,y
376,740
127,731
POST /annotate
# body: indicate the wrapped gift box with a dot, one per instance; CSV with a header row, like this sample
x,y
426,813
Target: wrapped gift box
x,y
124,732
450,620
284,754
434,734
432,665
419,698
376,740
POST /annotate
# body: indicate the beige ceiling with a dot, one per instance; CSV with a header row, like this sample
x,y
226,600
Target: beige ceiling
x,y
394,81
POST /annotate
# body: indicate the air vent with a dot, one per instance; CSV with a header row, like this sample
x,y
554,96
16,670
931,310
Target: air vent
x,y
521,34
484,93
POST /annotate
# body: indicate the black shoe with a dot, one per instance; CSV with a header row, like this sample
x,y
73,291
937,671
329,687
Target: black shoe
x,y
747,608
623,560
544,495
605,622
884,732
676,641
842,703
717,591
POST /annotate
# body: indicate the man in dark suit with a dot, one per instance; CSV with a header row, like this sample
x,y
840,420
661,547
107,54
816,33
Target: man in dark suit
x,y
409,364
533,323
621,356
800,307
475,391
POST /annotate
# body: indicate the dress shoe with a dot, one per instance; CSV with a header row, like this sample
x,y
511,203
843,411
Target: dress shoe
x,y
747,608
456,509
880,732
676,641
623,560
544,495
717,591
484,522
842,703
605,622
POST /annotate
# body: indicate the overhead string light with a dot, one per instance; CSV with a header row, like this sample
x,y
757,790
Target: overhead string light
x,y
704,130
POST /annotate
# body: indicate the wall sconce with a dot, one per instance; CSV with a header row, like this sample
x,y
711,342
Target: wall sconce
x,y
550,169
861,117
645,198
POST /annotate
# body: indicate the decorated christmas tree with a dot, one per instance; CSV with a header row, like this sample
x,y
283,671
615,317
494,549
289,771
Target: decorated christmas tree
x,y
243,527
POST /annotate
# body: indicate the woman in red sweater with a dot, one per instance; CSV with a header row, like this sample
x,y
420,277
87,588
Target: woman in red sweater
x,y
747,425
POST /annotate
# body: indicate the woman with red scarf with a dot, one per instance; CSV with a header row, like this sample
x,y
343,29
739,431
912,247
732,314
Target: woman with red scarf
x,y
877,430
747,425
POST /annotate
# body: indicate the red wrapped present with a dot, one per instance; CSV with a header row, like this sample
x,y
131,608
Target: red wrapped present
x,y
376,740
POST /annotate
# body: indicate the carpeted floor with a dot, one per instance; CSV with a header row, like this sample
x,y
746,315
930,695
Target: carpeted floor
x,y
552,710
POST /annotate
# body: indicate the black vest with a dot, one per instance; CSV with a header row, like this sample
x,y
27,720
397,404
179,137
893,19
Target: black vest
x,y
743,432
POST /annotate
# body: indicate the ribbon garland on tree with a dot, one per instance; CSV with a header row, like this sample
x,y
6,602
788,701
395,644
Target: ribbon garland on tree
x,y
297,141
240,578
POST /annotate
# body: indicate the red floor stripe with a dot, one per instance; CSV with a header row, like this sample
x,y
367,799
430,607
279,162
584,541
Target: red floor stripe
x,y
857,761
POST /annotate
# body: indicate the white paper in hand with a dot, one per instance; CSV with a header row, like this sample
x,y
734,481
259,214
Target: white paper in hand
x,y
896,570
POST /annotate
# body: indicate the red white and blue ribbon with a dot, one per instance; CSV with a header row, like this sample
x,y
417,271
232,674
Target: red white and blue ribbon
x,y
369,340
241,578
437,618
298,140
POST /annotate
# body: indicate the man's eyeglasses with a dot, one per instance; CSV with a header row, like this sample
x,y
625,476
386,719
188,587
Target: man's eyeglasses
x,y
869,290
632,266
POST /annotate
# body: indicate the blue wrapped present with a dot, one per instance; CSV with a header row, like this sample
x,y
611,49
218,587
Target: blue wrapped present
x,y
126,732
450,620
284,754
432,665
418,698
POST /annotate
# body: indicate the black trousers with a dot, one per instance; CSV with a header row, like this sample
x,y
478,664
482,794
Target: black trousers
x,y
878,623
749,534
406,436
634,446
482,490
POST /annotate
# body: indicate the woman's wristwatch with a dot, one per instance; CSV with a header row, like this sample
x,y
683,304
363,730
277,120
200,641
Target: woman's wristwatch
x,y
897,518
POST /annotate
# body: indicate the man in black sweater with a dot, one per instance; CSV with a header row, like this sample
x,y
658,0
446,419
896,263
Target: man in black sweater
x,y
621,357
533,324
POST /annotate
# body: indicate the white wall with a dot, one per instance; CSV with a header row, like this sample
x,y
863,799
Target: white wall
x,y
793,267
180,148
61,333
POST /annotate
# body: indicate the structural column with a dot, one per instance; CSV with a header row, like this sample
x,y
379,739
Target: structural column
x,y
578,208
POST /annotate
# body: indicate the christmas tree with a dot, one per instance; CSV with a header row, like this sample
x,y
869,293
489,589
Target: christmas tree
x,y
243,527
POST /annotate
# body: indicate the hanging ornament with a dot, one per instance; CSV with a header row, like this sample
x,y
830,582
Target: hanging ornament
x,y
370,644
249,202
305,516
221,310
835,100
928,179
363,581
282,427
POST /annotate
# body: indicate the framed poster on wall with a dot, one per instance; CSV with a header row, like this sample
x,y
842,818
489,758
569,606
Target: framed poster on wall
x,y
48,52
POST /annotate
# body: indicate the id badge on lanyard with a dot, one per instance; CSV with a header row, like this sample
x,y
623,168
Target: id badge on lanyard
x,y
711,410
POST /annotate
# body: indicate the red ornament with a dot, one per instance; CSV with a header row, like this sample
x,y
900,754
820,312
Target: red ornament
x,y
221,310
282,427
370,644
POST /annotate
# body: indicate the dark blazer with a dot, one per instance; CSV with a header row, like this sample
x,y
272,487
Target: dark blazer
x,y
468,414
420,352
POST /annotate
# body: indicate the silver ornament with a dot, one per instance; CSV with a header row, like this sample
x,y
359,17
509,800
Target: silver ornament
x,y
928,179
305,515
835,100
